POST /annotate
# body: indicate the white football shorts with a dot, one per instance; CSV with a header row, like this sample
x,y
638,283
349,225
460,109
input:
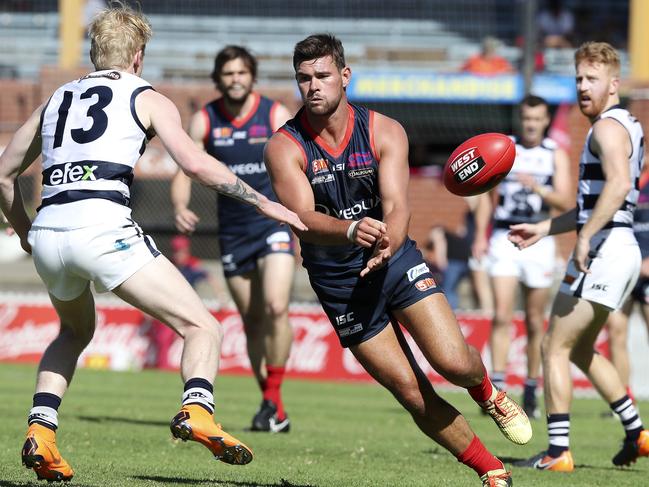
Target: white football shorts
x,y
614,268
106,254
533,266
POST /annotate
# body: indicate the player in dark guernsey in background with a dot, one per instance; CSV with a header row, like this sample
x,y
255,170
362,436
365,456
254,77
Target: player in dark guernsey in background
x,y
257,255
366,271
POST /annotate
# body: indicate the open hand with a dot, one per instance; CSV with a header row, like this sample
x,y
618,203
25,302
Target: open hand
x,y
279,212
380,256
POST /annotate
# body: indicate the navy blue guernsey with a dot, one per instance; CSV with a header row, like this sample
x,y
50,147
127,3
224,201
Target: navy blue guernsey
x,y
345,186
240,145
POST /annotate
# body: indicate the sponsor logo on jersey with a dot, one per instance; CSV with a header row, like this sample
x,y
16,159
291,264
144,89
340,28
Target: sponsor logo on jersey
x,y
121,245
280,247
359,159
222,132
361,173
71,172
258,134
239,135
248,168
467,164
323,178
319,165
425,284
414,272
354,210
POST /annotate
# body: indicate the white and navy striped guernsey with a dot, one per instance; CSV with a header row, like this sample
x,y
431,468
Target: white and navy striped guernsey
x,y
517,203
591,175
92,139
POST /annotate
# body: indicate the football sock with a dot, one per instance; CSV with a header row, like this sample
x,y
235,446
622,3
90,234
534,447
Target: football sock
x,y
498,380
483,391
479,458
628,414
199,391
529,392
44,410
271,387
558,434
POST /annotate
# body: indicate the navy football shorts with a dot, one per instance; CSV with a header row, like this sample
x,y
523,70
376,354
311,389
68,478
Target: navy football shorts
x,y
360,308
640,292
239,254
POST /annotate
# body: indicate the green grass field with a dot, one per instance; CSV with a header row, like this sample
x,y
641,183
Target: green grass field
x,y
114,431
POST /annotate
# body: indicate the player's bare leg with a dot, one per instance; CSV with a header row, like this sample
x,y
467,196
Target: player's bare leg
x,y
276,270
247,294
160,290
388,359
535,301
504,289
433,326
618,327
55,373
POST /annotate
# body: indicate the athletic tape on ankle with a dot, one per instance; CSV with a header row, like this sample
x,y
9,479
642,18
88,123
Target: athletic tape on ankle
x,y
198,395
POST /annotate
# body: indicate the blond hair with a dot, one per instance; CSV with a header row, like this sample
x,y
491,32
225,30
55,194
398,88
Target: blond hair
x,y
116,34
599,52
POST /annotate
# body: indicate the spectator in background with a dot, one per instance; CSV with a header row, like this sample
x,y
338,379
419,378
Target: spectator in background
x,y
191,267
488,61
556,24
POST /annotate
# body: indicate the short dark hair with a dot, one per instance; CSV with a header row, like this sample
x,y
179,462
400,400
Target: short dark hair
x,y
229,53
534,101
319,45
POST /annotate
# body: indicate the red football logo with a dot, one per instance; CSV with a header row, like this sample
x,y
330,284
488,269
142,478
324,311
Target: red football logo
x,y
479,164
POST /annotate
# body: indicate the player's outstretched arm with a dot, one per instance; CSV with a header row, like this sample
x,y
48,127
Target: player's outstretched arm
x,y
22,151
157,111
525,234
285,165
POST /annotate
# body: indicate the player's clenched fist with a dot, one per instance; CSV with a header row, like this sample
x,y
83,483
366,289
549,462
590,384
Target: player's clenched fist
x,y
366,232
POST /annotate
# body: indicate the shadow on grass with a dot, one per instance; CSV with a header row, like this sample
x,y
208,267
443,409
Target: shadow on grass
x,y
122,419
238,483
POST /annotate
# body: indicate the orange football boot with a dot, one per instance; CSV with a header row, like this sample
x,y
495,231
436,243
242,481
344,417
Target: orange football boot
x,y
543,461
40,453
193,422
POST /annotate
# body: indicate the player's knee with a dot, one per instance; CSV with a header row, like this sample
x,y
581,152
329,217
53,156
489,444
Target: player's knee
x,y
209,328
80,337
409,395
276,309
457,371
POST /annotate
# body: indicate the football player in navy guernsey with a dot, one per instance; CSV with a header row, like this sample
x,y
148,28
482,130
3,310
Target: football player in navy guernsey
x,y
538,183
604,265
257,255
344,170
90,133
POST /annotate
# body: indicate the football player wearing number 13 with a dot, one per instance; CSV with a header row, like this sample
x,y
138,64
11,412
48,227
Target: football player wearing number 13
x,y
91,132
366,271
